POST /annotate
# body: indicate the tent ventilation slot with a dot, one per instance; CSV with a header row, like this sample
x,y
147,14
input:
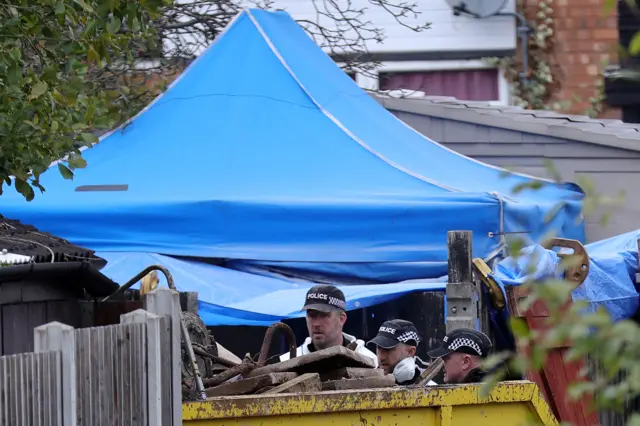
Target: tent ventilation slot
x,y
102,188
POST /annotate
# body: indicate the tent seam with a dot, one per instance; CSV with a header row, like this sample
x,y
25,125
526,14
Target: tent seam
x,y
334,119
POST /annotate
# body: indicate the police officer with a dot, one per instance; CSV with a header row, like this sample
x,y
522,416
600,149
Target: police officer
x,y
325,306
396,345
463,351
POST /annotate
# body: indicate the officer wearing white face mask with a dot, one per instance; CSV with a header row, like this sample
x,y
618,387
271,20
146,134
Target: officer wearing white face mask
x,y
396,344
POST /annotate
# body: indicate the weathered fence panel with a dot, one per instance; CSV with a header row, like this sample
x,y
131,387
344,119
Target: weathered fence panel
x,y
31,389
111,365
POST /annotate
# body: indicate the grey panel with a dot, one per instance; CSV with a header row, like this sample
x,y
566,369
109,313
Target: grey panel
x,y
624,214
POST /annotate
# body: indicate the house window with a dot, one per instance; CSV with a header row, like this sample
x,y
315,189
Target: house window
x,y
462,84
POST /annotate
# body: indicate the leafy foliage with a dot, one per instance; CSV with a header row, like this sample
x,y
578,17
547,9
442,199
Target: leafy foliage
x,y
611,374
54,58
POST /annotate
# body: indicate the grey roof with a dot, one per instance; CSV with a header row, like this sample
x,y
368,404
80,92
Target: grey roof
x,y
608,132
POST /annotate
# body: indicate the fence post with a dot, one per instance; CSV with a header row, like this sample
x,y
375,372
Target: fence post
x,y
154,370
163,301
462,294
56,336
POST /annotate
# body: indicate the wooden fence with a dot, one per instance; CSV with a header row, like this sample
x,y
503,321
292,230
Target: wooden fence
x,y
125,374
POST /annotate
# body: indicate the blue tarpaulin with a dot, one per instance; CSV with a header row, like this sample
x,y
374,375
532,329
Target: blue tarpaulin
x,y
266,153
230,297
610,282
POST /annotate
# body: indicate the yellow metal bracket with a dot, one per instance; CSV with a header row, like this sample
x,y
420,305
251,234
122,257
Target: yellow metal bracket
x,y
483,272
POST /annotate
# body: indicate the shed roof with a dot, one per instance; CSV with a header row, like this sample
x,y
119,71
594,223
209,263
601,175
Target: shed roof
x,y
581,128
26,241
30,254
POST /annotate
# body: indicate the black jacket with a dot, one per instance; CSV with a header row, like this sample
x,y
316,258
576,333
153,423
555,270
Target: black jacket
x,y
476,375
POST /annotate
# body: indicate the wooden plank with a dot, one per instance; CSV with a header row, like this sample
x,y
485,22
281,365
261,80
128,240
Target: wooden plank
x,y
64,311
108,313
17,337
430,372
386,381
350,373
325,360
460,247
86,313
308,382
10,292
30,385
38,291
248,386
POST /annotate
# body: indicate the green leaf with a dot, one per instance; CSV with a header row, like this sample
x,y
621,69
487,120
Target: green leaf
x,y
91,27
135,24
85,6
634,420
65,171
60,8
14,73
38,89
634,45
114,25
24,188
78,162
519,327
93,55
55,126
90,137
16,54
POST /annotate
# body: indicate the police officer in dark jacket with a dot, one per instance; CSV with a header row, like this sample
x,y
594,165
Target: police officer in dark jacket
x,y
396,344
463,351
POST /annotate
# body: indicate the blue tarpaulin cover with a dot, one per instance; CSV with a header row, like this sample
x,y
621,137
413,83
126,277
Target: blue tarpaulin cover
x,y
266,153
230,297
610,282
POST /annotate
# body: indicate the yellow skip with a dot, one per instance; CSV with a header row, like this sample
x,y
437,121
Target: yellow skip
x,y
509,403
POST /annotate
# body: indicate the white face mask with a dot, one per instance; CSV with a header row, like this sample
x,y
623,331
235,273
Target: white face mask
x,y
405,370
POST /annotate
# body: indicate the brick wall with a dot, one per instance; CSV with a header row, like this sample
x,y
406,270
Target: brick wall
x,y
586,40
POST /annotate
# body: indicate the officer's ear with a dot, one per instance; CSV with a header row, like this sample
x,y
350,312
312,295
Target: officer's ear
x,y
411,350
467,362
343,317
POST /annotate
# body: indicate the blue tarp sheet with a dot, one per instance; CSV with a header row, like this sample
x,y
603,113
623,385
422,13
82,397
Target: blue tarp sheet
x,y
611,279
229,297
264,151
255,296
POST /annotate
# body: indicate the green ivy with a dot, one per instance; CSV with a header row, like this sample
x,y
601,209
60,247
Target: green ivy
x,y
542,79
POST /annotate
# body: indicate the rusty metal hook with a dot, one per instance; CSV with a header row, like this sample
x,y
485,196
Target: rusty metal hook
x,y
575,273
126,286
268,338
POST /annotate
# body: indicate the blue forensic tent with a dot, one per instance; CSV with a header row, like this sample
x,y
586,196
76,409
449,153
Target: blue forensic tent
x,y
264,152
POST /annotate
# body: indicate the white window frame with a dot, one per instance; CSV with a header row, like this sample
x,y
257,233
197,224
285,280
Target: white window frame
x,y
370,80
